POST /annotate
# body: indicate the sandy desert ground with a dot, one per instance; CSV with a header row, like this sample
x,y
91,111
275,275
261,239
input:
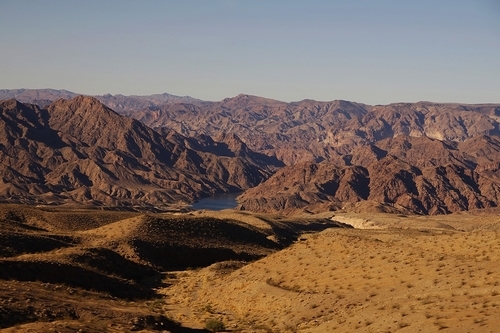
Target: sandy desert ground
x,y
399,274
87,272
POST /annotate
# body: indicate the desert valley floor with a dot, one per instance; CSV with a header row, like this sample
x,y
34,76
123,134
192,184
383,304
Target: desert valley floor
x,y
73,270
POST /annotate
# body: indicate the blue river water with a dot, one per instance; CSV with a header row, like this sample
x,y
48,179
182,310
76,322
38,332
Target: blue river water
x,y
217,202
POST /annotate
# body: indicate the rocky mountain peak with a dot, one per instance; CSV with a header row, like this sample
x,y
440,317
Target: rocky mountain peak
x,y
80,105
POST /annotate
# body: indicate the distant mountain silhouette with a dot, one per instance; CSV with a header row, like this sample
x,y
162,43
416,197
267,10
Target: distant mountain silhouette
x,y
119,103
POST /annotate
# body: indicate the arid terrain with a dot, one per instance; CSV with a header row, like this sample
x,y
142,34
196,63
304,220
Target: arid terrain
x,y
70,270
307,156
402,274
353,217
80,151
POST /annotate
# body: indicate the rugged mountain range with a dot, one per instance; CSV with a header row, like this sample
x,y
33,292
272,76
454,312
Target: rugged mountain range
x,y
406,175
79,150
315,131
422,157
410,157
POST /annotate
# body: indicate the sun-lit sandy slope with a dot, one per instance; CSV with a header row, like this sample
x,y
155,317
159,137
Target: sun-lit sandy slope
x,y
412,274
242,216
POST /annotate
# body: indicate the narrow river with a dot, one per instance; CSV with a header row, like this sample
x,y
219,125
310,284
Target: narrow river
x,y
217,202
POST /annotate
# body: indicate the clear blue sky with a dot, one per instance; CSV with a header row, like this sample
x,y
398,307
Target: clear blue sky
x,y
370,51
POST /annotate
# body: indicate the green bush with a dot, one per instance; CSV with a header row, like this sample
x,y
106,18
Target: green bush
x,y
214,325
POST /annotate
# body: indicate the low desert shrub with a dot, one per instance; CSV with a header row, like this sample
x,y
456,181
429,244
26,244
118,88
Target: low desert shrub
x,y
214,325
